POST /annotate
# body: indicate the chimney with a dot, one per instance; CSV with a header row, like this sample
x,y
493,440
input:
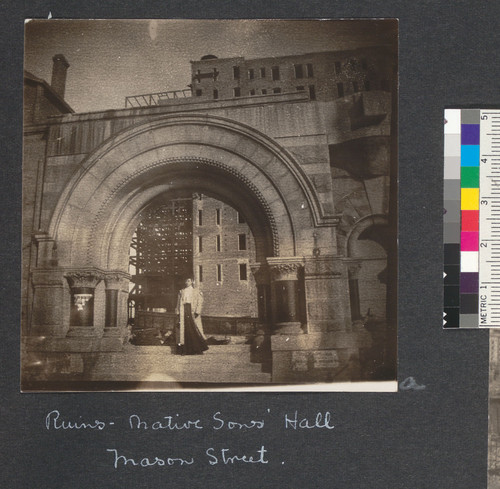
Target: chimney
x,y
59,69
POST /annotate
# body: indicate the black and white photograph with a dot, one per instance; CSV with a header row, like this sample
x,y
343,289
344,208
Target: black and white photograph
x,y
209,204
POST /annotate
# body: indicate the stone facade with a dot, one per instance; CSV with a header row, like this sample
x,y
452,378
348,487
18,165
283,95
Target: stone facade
x,y
311,173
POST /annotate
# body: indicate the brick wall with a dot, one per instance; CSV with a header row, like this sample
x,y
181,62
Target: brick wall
x,y
232,295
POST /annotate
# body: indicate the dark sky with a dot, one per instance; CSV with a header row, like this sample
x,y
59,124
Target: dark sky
x,y
110,59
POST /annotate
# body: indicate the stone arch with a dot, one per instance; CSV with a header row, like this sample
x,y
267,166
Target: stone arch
x,y
112,232
98,208
368,246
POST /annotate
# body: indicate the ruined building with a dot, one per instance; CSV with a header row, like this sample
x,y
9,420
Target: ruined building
x,y
302,147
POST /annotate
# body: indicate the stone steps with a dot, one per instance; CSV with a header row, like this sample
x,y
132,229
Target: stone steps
x,y
221,363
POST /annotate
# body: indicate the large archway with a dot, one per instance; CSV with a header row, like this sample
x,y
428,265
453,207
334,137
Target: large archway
x,y
102,204
81,282
215,154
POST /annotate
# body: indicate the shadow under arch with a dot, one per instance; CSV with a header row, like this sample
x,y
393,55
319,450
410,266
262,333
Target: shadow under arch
x,y
374,227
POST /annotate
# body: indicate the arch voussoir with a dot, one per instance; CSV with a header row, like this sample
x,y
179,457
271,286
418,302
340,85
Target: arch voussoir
x,y
149,153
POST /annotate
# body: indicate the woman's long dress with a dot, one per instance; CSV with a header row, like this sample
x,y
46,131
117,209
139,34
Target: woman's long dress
x,y
194,343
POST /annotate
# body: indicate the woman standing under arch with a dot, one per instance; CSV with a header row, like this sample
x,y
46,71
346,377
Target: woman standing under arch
x,y
190,338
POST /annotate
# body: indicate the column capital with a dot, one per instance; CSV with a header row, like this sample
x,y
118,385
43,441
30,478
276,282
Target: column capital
x,y
117,280
285,268
85,278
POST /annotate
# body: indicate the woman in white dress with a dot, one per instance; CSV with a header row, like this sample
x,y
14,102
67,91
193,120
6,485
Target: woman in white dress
x,y
190,338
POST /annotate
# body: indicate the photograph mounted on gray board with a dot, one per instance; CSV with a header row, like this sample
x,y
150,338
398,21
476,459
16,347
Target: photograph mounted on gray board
x,y
209,205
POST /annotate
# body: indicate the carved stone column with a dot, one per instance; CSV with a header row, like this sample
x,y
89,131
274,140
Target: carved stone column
x,y
262,277
116,285
353,268
82,284
285,293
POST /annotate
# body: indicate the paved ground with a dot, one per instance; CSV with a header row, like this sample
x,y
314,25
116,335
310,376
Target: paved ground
x,y
232,363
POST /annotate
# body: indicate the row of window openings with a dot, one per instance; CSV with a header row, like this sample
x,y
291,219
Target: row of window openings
x,y
243,272
301,71
356,87
240,218
264,91
275,72
242,243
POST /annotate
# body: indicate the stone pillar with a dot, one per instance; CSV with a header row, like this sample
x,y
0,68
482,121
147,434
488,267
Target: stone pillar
x,y
82,285
262,278
327,294
47,280
353,268
47,317
47,250
329,351
116,283
285,294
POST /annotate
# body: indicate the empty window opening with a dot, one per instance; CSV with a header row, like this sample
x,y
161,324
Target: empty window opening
x,y
243,271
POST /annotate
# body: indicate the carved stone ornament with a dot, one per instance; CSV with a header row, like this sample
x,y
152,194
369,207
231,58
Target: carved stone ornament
x,y
84,278
285,269
81,300
117,281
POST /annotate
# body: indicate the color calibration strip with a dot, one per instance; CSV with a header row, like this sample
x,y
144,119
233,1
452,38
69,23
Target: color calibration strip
x,y
471,231
489,219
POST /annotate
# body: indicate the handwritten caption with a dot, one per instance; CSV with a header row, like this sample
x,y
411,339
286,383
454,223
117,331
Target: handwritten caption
x,y
292,421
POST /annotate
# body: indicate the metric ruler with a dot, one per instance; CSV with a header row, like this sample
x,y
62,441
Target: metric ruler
x,y
489,219
471,231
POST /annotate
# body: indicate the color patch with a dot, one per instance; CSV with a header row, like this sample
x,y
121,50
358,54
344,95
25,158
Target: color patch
x,y
452,167
452,210
469,304
469,177
452,253
470,220
469,156
469,282
470,134
451,232
469,241
469,261
469,199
